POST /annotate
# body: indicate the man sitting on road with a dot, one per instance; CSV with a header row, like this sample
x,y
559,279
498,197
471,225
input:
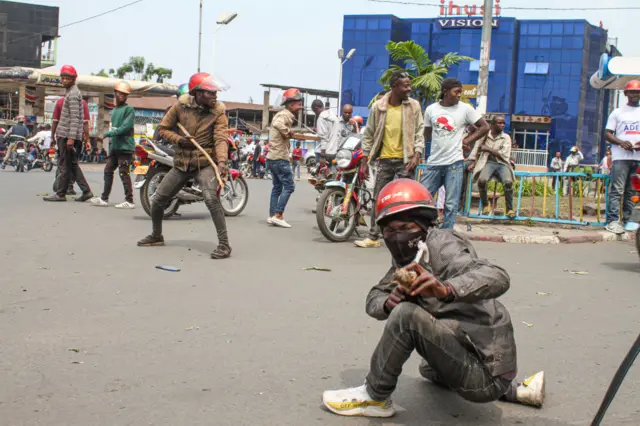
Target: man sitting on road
x,y
394,137
121,149
491,157
448,314
278,157
203,117
445,124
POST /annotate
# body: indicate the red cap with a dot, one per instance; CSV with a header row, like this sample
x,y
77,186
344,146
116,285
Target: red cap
x,y
402,195
203,81
68,70
290,95
632,85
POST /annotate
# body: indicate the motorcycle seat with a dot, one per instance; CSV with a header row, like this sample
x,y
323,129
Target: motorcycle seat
x,y
167,150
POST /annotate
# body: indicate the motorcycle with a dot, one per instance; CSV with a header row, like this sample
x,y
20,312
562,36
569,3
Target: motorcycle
x,y
247,167
154,161
45,160
345,201
18,154
635,216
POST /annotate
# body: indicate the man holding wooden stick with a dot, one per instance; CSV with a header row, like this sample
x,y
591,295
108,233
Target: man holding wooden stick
x,y
199,143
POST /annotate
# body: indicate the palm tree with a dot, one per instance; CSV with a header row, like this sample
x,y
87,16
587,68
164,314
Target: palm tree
x,y
425,74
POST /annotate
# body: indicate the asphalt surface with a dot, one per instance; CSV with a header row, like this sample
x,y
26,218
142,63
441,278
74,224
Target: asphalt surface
x,y
91,333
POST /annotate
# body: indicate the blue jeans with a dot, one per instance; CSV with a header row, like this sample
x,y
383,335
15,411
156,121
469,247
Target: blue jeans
x,y
283,187
451,177
620,190
257,168
295,164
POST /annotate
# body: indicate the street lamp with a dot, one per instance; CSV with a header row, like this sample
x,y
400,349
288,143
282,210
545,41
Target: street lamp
x,y
341,57
223,19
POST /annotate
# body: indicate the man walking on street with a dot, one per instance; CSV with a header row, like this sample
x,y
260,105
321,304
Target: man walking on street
x,y
70,132
120,149
557,165
448,313
491,157
623,133
203,117
328,127
278,157
445,124
394,137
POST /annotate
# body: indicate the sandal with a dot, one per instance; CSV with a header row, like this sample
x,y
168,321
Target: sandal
x,y
221,252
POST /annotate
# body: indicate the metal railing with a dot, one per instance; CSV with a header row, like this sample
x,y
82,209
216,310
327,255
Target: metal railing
x,y
567,189
530,157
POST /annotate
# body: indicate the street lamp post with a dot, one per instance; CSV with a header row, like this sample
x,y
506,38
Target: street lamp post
x,y
200,37
223,20
340,57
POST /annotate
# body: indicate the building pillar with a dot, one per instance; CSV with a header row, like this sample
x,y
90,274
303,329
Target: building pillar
x,y
22,101
39,106
265,110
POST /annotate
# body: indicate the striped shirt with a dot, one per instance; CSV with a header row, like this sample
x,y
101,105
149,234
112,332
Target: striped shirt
x,y
71,124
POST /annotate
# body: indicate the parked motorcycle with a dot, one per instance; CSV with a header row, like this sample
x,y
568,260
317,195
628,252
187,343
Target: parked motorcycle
x,y
345,201
635,216
154,162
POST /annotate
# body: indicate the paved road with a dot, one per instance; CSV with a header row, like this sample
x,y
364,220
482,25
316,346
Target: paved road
x,y
254,340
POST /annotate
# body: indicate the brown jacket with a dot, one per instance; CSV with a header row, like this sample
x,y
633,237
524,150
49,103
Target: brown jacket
x,y
412,129
209,127
279,141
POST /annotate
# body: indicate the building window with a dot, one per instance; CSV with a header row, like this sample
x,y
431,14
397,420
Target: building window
x,y
475,65
541,68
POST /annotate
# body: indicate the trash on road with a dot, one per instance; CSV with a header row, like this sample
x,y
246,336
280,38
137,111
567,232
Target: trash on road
x,y
74,350
77,362
193,327
168,268
316,268
42,195
543,293
527,324
571,271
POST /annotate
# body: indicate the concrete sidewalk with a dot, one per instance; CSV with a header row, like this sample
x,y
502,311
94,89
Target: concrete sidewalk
x,y
483,230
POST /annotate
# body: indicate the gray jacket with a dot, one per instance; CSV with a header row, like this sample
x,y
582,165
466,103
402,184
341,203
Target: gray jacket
x,y
482,323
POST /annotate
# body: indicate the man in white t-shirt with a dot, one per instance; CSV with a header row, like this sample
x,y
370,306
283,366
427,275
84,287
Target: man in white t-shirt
x,y
623,133
445,123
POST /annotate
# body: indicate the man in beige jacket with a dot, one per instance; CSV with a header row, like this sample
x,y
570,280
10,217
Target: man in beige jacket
x,y
394,137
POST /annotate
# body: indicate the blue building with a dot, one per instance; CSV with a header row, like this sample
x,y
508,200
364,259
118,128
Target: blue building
x,y
539,73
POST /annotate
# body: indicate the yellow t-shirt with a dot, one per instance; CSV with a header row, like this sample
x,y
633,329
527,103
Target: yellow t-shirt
x,y
392,140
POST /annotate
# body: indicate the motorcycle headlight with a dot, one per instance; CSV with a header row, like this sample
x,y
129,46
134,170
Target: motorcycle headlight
x,y
343,158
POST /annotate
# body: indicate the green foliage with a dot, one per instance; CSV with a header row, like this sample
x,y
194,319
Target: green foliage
x,y
136,68
425,75
526,188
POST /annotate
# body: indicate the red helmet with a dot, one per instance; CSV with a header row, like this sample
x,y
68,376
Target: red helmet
x,y
202,81
633,85
358,120
402,195
291,95
68,70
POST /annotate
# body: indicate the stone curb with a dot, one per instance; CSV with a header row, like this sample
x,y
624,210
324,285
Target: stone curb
x,y
552,239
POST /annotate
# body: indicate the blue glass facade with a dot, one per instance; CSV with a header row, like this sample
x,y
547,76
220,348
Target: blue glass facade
x,y
541,68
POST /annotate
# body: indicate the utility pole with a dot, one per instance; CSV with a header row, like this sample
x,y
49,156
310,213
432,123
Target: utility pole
x,y
485,50
200,38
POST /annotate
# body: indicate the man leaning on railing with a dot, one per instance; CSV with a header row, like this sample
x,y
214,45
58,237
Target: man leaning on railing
x,y
491,157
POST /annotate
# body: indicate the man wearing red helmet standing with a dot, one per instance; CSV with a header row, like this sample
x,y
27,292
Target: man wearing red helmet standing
x,y
69,136
203,117
278,157
623,133
447,312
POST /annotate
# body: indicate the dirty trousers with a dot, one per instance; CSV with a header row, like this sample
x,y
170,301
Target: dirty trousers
x,y
173,183
69,169
411,327
121,161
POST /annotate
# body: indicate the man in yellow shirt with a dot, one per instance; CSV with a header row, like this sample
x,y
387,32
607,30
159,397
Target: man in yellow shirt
x,y
394,137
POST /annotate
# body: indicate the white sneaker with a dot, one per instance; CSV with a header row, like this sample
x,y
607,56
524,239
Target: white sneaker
x,y
531,391
270,220
614,227
99,202
356,402
126,205
280,222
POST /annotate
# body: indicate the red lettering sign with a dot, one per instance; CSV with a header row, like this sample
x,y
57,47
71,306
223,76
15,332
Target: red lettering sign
x,y
453,9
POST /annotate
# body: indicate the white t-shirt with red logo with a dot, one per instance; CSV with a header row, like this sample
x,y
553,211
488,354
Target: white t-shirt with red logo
x,y
625,123
449,124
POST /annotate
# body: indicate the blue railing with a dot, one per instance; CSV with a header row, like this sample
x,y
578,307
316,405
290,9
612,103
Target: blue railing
x,y
581,185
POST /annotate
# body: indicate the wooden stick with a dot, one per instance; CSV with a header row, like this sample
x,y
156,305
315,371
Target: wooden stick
x,y
206,154
304,137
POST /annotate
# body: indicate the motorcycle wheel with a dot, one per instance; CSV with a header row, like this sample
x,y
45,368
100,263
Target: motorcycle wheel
x,y
48,166
234,205
153,180
311,163
340,230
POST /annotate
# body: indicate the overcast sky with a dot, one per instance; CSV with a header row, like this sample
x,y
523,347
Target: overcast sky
x,y
288,42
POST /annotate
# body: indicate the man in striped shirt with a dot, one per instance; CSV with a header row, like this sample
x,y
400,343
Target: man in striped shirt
x,y
70,130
